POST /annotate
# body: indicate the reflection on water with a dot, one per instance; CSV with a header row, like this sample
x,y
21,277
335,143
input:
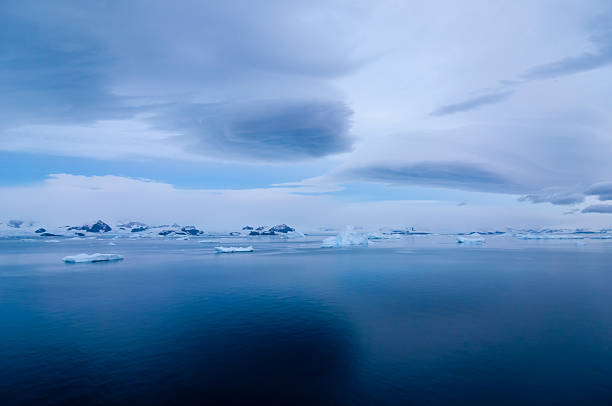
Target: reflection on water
x,y
403,325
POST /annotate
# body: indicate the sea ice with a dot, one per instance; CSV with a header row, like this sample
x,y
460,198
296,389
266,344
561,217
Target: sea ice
x,y
221,250
92,258
346,238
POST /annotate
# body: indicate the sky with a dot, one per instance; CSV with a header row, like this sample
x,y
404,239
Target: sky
x,y
439,115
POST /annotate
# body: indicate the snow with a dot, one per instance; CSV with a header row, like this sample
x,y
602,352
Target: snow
x,y
474,239
346,238
549,237
221,250
91,258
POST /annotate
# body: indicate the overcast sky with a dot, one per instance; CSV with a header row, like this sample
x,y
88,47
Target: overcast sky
x,y
442,115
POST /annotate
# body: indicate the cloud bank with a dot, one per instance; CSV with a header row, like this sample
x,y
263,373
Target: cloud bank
x,y
598,208
280,130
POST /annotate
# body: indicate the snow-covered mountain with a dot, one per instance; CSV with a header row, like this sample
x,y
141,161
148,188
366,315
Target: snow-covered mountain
x,y
282,230
20,228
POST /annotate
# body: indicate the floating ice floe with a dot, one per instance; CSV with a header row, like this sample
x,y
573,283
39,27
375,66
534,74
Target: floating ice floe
x,y
92,258
221,250
52,240
473,239
111,243
346,238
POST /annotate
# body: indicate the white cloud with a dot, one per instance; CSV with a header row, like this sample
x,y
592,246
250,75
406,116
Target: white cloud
x,y
65,199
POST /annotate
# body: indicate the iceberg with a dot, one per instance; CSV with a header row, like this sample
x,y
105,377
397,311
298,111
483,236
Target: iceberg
x,y
473,238
345,238
221,250
91,258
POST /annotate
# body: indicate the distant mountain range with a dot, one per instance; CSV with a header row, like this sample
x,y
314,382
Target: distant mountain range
x,y
18,228
136,229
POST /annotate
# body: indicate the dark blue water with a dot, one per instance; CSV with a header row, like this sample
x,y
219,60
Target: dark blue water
x,y
376,326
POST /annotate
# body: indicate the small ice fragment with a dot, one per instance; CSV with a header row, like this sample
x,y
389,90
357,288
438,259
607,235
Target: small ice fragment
x,y
234,249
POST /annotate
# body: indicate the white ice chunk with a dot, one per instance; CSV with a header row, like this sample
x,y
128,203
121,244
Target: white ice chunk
x,y
346,238
92,258
474,239
234,249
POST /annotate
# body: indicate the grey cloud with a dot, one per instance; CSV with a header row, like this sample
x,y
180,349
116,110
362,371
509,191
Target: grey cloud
x,y
603,190
601,38
554,196
49,74
202,66
568,66
280,130
457,175
598,208
471,104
